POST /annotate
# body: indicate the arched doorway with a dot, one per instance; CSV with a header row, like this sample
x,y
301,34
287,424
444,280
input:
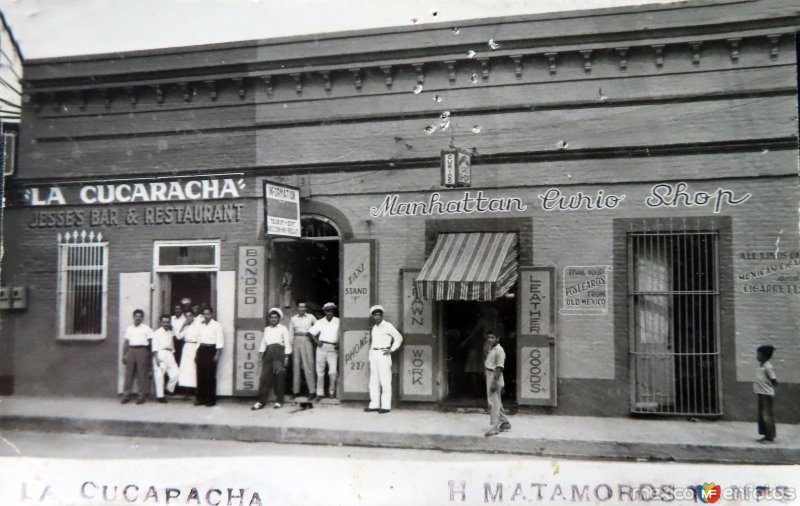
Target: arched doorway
x,y
307,269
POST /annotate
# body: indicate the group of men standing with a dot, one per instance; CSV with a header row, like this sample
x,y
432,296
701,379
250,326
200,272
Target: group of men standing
x,y
184,349
314,347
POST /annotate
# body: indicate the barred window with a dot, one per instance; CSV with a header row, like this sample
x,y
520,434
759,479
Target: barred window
x,y
673,299
82,285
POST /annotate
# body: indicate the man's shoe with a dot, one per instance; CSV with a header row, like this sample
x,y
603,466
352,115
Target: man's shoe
x,y
277,405
256,406
125,400
140,401
198,402
162,400
211,404
505,426
492,432
370,410
383,411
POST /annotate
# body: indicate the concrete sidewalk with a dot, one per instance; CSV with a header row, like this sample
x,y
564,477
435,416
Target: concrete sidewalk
x,y
540,435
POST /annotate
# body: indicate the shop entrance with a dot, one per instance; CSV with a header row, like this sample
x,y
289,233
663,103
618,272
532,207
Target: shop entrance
x,y
177,287
306,269
464,326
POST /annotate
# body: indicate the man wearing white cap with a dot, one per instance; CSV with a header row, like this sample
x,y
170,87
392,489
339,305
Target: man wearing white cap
x,y
384,340
276,346
326,334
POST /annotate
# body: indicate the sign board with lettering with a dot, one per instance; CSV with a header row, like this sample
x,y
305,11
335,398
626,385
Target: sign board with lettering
x,y
535,292
281,209
355,373
585,290
357,271
416,372
536,337
250,285
417,312
248,365
418,353
155,190
456,168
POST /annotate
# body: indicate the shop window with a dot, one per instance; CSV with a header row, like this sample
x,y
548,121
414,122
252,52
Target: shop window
x,y
82,285
673,302
192,256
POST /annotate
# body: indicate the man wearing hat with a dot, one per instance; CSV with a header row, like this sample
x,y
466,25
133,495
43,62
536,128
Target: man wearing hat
x,y
384,340
276,346
326,334
303,356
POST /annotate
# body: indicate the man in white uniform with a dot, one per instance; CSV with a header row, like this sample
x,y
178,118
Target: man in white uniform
x,y
303,349
163,358
326,334
384,340
189,334
136,357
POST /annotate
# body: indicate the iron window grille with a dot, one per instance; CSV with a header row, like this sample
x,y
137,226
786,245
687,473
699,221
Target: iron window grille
x,y
82,285
673,304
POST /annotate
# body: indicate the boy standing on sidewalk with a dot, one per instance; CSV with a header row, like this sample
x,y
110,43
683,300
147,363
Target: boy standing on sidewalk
x,y
495,362
764,387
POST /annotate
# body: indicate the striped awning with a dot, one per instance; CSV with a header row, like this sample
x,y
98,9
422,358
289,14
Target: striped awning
x,y
469,266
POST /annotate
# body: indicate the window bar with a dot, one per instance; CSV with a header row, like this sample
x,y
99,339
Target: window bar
x,y
703,357
92,313
719,364
651,358
632,321
663,358
681,324
658,359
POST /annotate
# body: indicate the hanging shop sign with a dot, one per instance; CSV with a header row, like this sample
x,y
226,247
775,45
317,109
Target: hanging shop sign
x,y
281,210
456,168
127,192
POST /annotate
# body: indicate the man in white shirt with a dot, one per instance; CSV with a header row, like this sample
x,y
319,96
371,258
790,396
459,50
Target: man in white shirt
x,y
276,346
303,356
325,333
136,357
210,340
384,340
163,358
176,321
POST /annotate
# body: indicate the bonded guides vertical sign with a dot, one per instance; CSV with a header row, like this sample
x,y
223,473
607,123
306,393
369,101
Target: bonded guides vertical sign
x,y
281,210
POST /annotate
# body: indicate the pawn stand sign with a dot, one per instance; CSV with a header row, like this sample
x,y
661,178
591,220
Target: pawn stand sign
x,y
281,209
456,168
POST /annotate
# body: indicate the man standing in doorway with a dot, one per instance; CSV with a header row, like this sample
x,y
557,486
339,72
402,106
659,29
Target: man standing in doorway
x,y
136,357
176,320
384,340
326,335
211,341
163,358
189,336
303,356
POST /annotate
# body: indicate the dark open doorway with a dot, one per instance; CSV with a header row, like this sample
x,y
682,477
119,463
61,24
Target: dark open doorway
x,y
192,285
464,325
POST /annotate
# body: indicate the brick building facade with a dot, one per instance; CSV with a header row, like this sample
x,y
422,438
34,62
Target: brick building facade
x,y
645,161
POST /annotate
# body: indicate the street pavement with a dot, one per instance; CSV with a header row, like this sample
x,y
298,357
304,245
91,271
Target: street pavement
x,y
347,425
